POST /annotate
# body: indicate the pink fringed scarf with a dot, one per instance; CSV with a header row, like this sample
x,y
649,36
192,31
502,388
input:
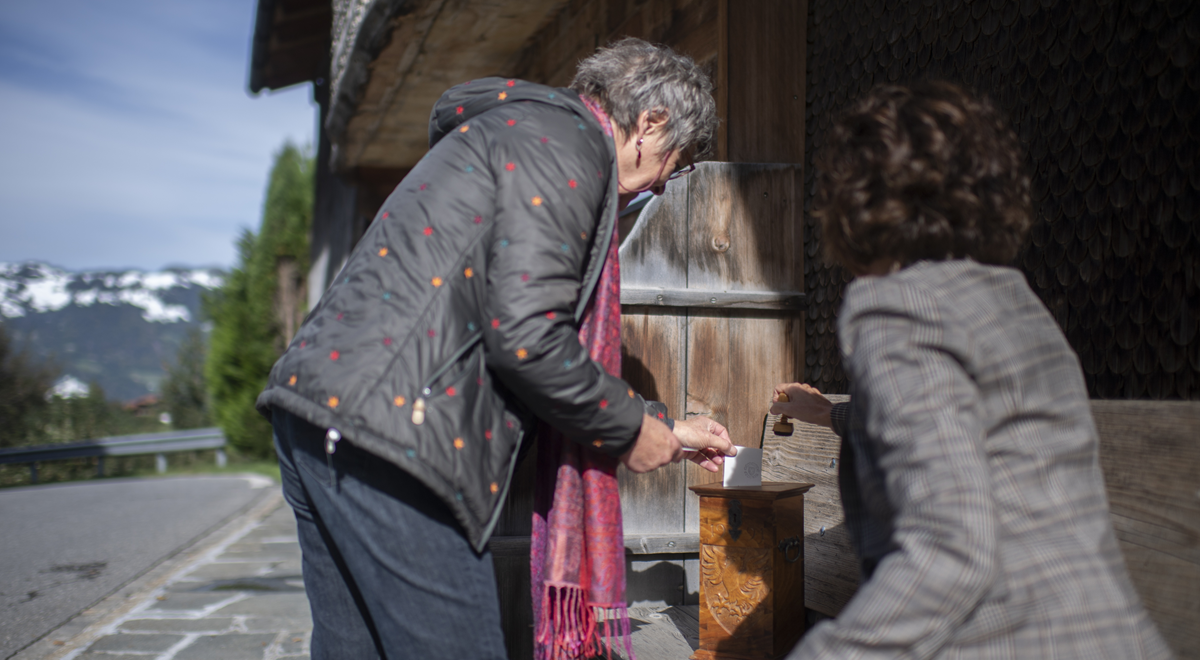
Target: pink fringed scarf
x,y
577,559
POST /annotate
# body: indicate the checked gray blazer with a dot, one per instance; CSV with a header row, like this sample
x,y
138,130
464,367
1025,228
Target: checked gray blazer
x,y
971,480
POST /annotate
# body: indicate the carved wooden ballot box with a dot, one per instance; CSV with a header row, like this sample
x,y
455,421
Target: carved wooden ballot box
x,y
751,570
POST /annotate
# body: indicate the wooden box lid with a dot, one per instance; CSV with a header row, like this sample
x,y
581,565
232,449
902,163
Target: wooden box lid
x,y
768,491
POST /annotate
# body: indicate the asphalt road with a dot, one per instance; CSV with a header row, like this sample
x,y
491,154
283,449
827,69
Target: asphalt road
x,y
65,546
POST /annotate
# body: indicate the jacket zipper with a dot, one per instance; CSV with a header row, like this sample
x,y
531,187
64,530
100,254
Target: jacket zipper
x,y
418,416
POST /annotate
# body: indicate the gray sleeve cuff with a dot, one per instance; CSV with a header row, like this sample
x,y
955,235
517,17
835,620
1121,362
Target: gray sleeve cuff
x,y
839,415
658,410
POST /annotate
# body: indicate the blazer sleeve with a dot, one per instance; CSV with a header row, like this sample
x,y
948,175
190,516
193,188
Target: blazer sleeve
x,y
907,356
551,180
839,416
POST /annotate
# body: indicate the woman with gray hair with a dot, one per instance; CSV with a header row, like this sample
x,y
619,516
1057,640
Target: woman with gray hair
x,y
481,307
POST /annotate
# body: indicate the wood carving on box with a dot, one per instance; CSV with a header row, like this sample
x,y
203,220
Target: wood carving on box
x,y
751,570
735,583
716,526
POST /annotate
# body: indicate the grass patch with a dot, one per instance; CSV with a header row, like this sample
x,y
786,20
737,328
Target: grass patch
x,y
178,463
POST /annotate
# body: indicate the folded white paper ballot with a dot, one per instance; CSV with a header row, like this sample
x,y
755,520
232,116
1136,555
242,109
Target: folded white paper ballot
x,y
745,469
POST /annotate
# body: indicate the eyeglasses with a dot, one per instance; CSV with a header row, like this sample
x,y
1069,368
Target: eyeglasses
x,y
682,172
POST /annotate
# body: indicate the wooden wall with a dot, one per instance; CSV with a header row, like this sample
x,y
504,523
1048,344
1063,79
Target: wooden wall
x,y
1105,99
1150,454
688,26
725,228
754,53
707,324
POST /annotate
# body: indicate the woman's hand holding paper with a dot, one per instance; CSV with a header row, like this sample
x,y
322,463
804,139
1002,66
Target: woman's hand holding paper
x,y
709,439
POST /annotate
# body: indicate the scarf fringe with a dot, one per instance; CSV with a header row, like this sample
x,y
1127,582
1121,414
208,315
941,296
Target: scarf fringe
x,y
568,630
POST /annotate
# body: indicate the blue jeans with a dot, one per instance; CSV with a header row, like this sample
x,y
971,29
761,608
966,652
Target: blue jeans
x,y
388,571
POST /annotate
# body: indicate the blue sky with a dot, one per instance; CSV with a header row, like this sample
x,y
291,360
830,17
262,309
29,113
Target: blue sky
x,y
129,137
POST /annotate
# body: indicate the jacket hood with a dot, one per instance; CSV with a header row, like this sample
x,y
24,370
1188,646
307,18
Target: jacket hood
x,y
471,99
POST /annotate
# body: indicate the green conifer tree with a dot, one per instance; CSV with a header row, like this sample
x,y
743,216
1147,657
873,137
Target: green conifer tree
x,y
247,334
23,386
184,393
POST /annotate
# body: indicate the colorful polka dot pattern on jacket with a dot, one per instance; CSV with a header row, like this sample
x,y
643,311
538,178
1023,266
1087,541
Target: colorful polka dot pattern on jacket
x,y
405,238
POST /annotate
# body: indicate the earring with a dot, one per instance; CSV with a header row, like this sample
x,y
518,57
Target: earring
x,y
639,150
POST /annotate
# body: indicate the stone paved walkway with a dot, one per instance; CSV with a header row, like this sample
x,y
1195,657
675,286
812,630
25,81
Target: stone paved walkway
x,y
242,600
239,595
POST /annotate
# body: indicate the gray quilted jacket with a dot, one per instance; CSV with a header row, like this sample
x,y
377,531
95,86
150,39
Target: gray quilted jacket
x,y
454,323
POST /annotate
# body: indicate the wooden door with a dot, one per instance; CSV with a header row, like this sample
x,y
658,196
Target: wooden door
x,y
711,282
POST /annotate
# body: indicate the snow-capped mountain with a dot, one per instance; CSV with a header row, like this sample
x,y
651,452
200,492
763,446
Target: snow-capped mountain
x,y
117,328
38,288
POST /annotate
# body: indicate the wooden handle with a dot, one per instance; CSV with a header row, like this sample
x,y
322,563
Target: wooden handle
x,y
783,426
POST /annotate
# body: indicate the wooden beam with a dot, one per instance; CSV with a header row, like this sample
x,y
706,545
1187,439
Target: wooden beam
x,y
785,300
376,176
307,28
760,85
722,81
635,544
1150,454
290,44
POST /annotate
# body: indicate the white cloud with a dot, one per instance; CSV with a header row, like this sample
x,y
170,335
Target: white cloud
x,y
130,139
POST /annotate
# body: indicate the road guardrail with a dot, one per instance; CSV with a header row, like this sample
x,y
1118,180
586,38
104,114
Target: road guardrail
x,y
159,444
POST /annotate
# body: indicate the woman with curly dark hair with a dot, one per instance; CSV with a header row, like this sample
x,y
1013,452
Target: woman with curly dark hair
x,y
970,474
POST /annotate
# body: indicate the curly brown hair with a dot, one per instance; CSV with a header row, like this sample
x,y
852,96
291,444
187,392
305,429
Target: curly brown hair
x,y
921,172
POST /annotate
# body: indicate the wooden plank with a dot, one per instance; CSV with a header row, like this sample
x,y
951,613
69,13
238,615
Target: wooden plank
x,y
649,342
687,621
516,518
769,491
765,64
433,46
810,455
743,227
511,560
765,352
721,84
793,301
655,252
654,580
516,602
670,633
653,345
743,235
681,543
654,544
707,385
1150,454
580,26
734,361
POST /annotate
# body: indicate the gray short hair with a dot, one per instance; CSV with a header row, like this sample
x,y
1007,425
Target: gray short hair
x,y
633,76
